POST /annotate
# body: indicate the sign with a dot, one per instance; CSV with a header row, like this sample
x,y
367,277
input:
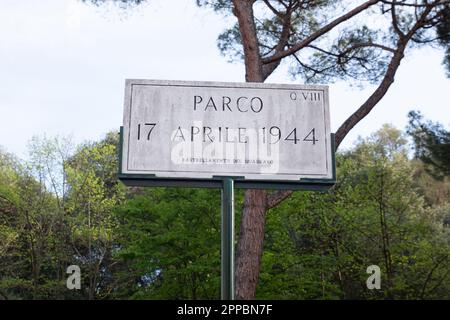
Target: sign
x,y
263,135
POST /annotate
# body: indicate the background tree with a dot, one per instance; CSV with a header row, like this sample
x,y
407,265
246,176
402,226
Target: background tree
x,y
35,197
55,211
93,195
432,144
318,246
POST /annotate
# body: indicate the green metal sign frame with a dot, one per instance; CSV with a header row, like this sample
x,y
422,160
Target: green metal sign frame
x,y
151,180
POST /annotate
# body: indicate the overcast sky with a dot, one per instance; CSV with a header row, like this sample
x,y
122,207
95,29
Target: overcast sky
x,y
63,66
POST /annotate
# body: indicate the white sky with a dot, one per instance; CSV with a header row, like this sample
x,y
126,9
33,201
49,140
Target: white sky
x,y
63,65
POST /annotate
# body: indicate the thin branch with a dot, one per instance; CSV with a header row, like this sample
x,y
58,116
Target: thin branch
x,y
415,5
275,11
276,197
282,42
376,96
368,44
316,71
354,47
323,51
430,274
395,20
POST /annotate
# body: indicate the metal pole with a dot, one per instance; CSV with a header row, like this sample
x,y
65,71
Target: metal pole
x,y
227,234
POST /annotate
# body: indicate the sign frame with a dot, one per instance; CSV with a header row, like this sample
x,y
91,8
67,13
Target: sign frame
x,y
216,181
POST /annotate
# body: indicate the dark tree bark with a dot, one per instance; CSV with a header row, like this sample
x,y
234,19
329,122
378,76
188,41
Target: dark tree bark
x,y
250,245
243,10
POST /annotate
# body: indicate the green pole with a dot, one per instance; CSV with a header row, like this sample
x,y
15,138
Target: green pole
x,y
227,247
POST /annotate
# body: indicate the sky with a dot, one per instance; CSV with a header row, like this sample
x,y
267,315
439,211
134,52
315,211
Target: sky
x,y
63,65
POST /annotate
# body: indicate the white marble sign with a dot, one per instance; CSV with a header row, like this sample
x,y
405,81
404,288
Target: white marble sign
x,y
183,129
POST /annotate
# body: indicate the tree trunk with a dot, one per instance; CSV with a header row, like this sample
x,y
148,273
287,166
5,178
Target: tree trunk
x,y
251,235
243,10
250,245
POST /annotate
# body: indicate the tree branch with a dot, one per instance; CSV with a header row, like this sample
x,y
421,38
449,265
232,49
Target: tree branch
x,y
395,21
315,71
282,42
277,197
296,47
275,11
376,96
429,275
387,81
365,45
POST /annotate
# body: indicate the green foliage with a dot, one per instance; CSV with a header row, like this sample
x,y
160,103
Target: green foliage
x,y
56,211
432,144
230,44
93,195
443,33
318,246
164,243
171,244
